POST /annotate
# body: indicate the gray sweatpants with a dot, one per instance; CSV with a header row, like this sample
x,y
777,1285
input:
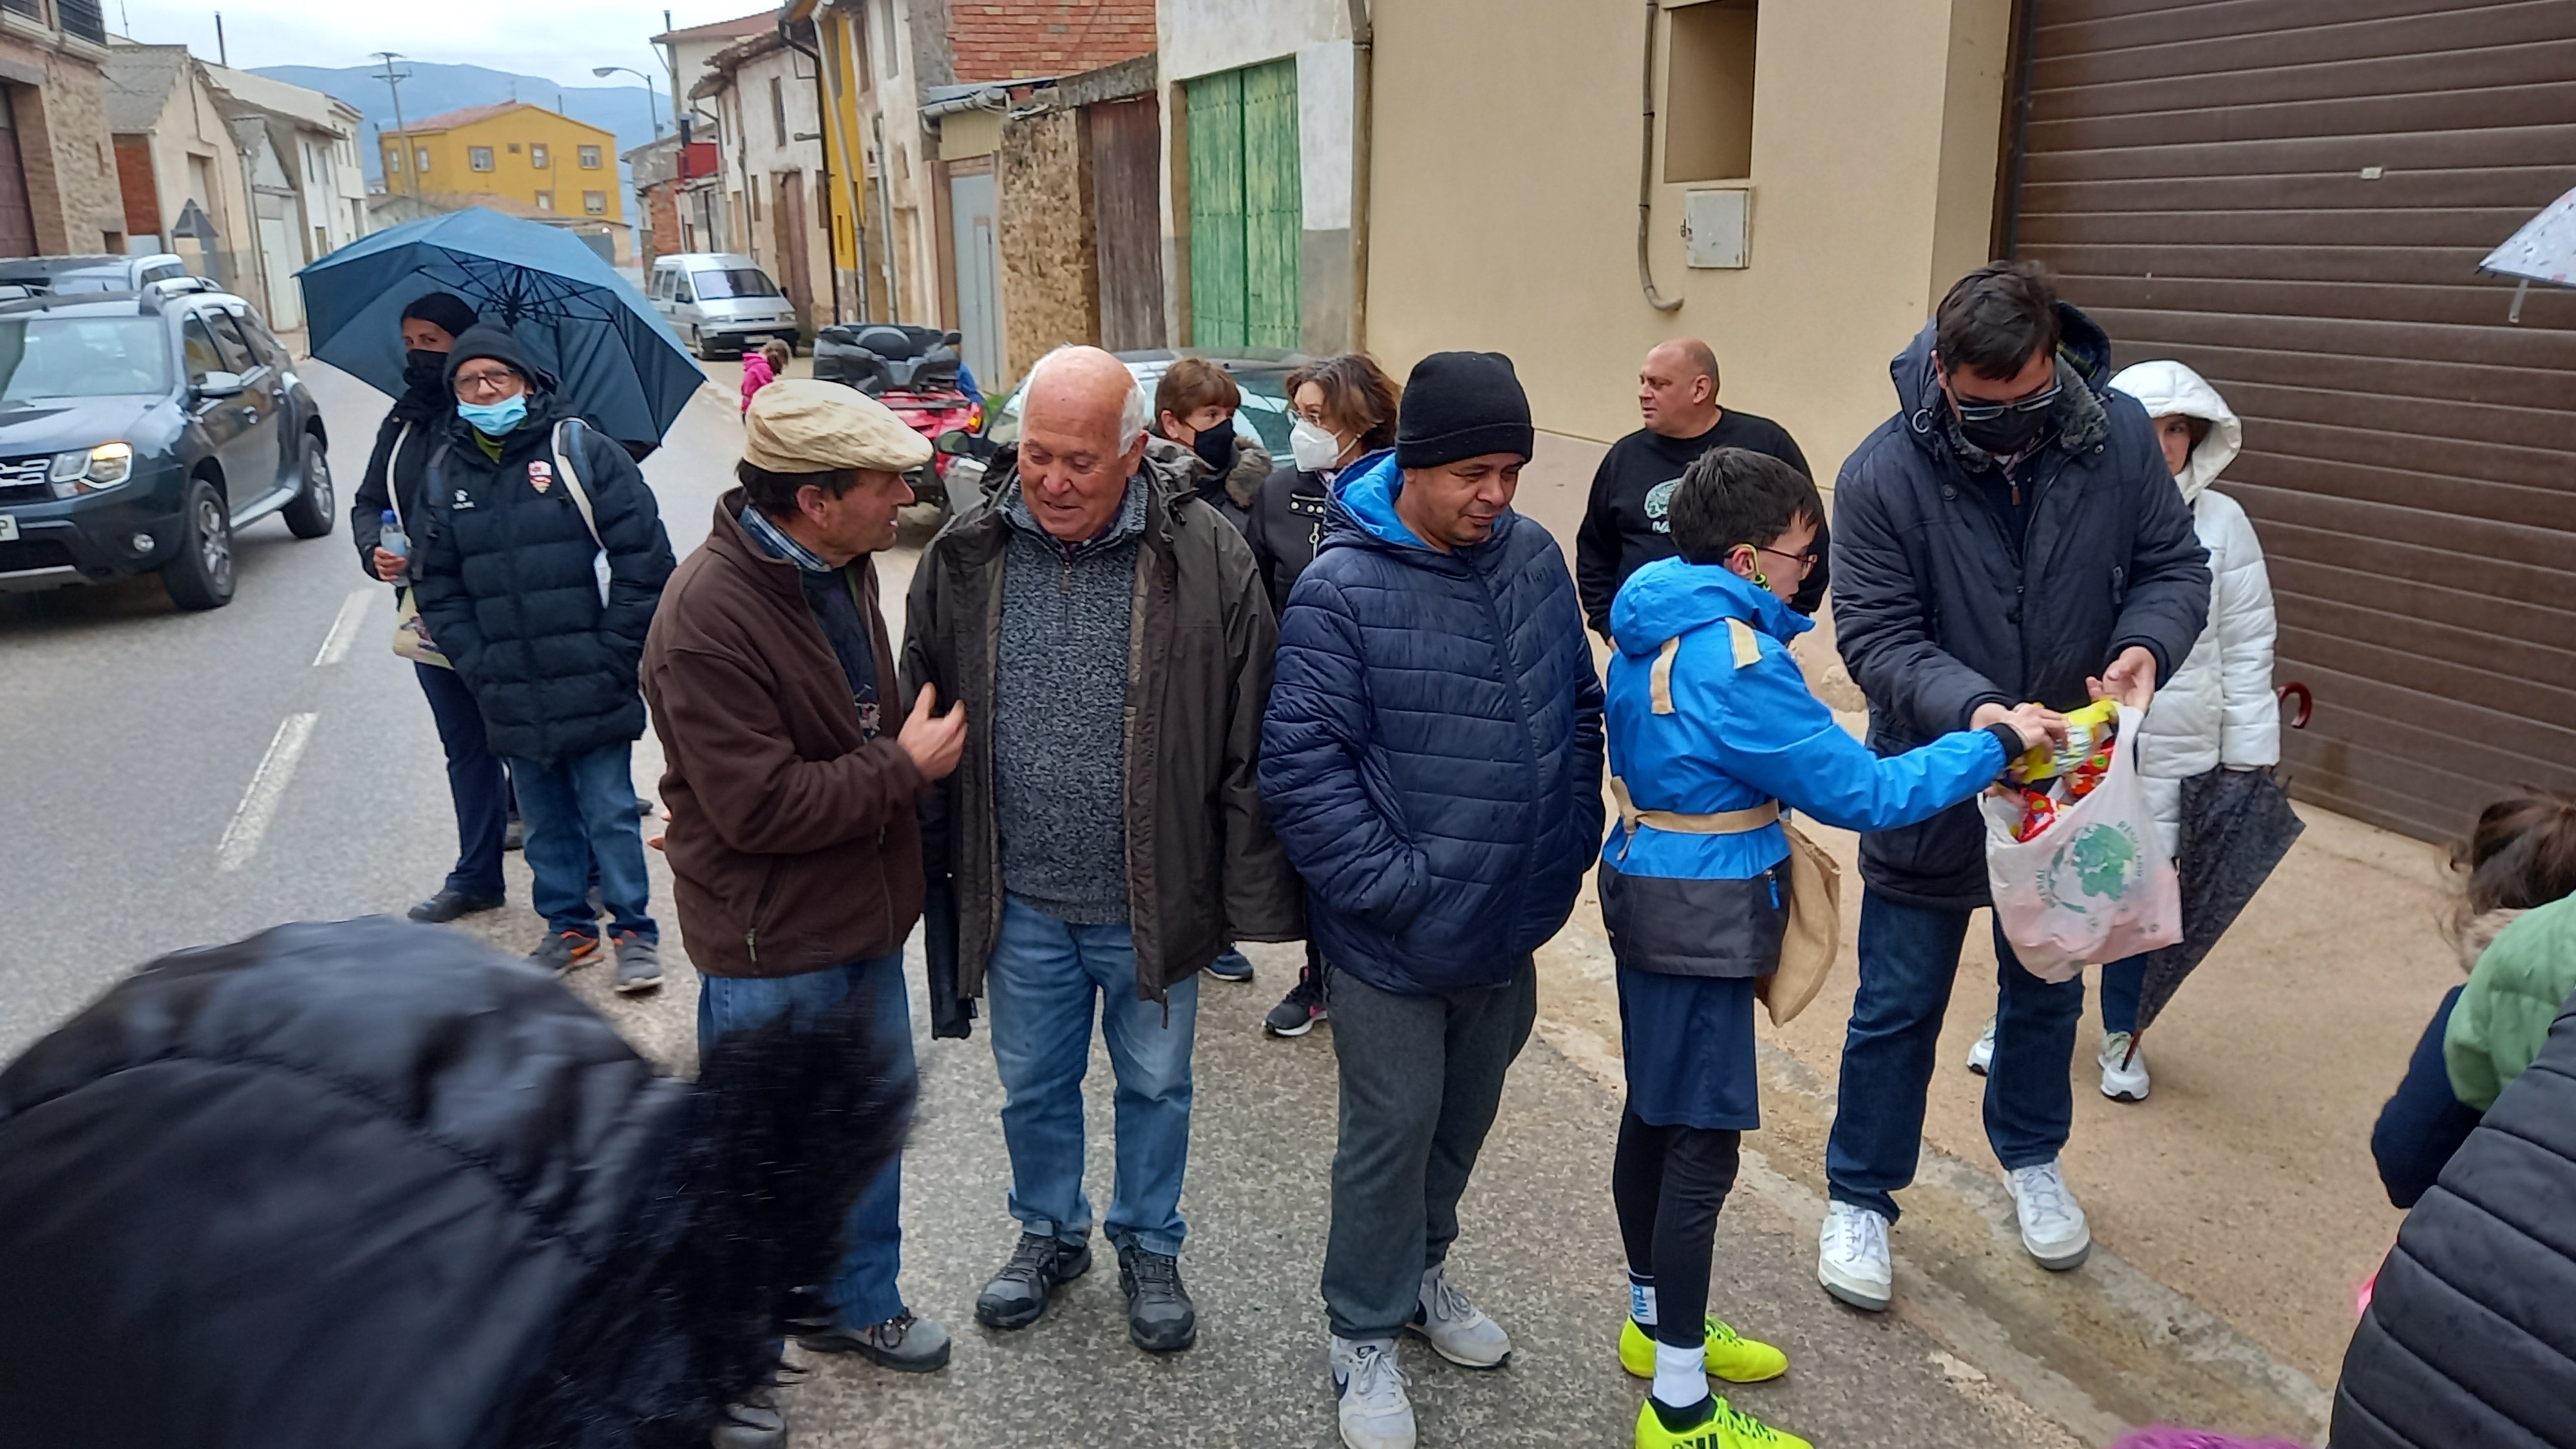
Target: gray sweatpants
x,y
1421,1076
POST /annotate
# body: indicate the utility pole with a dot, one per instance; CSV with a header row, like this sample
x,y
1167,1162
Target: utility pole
x,y
222,57
671,62
402,138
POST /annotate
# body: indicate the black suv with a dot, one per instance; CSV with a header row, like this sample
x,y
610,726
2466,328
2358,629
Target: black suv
x,y
137,431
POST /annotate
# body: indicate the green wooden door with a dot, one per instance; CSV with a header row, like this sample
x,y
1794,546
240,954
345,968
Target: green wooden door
x,y
1273,205
1246,208
1216,211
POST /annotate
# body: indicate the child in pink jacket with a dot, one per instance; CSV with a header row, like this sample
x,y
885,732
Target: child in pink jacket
x,y
760,369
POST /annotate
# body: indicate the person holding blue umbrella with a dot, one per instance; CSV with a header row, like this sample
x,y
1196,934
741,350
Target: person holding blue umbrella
x,y
539,582
411,429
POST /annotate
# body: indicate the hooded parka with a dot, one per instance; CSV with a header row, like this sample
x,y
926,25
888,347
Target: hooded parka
x,y
509,581
2218,710
1938,610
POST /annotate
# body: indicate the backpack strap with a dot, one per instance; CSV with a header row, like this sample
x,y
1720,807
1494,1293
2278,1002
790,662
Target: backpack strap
x,y
567,443
393,490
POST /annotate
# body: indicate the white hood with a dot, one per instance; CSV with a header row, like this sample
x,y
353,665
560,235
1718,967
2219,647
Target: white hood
x,y
2164,388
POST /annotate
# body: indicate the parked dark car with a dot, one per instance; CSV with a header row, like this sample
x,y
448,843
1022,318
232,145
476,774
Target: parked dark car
x,y
139,430
1265,416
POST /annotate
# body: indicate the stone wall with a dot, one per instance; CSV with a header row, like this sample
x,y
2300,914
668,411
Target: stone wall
x,y
1050,293
76,199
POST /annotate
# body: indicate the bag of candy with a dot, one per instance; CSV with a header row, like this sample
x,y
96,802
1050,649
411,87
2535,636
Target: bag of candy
x,y
2075,868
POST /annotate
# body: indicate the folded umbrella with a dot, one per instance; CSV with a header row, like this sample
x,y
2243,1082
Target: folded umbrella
x,y
615,360
2236,827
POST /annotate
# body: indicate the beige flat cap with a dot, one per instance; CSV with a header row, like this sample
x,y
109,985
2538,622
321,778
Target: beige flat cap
x,y
799,425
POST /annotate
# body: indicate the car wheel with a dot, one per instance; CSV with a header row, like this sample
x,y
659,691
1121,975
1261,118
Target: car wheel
x,y
698,346
309,516
201,577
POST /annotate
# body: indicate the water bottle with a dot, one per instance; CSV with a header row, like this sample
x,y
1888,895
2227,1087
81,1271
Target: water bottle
x,y
393,540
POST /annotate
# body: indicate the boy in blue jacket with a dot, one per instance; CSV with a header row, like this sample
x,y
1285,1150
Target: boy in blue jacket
x,y
1712,731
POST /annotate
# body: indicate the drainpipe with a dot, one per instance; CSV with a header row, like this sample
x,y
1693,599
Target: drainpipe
x,y
1363,116
823,153
885,208
850,173
1646,175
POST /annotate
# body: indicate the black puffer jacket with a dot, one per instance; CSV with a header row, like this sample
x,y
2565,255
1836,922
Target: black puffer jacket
x,y
372,1183
2470,1338
510,590
1286,526
1937,612
412,429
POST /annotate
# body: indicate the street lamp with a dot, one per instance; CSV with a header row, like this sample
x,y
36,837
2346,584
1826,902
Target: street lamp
x,y
650,99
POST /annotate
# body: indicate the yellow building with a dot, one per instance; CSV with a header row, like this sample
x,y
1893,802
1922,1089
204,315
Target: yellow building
x,y
526,153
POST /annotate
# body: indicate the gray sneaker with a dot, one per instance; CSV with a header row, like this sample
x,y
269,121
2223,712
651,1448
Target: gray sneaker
x,y
1373,1411
906,1344
565,950
1456,1329
755,1423
639,964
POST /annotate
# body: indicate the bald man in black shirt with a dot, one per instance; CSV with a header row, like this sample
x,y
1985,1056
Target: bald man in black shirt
x,y
1623,524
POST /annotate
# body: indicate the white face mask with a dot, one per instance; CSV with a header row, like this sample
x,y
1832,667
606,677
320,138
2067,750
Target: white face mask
x,y
1315,450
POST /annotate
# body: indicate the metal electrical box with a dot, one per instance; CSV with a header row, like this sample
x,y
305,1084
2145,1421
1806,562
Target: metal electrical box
x,y
1717,227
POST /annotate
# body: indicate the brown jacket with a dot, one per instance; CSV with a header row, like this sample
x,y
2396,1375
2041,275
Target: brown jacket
x,y
794,844
1202,866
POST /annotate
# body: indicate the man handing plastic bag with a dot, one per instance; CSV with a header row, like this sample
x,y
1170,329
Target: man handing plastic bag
x,y
2092,884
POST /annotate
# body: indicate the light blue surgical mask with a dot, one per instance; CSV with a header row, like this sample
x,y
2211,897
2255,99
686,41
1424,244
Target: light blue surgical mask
x,y
494,419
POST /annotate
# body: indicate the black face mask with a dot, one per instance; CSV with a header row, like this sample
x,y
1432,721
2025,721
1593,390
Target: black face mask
x,y
424,371
1215,447
2009,435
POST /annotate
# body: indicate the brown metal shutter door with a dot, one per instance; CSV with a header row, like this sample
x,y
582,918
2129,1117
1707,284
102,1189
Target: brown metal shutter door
x,y
2292,197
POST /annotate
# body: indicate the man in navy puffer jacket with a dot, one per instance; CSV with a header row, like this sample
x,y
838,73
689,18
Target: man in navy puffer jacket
x,y
1432,763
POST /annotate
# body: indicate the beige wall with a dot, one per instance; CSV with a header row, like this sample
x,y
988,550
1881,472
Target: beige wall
x,y
1503,202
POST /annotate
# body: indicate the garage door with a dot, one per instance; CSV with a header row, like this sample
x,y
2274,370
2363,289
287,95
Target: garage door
x,y
2292,196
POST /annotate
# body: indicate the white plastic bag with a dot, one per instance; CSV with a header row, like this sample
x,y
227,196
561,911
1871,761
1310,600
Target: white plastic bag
x,y
2093,886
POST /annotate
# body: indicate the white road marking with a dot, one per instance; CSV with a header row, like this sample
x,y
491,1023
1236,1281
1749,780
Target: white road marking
x,y
267,786
344,629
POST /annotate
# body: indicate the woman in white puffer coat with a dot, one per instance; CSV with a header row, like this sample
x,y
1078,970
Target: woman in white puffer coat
x,y
2219,710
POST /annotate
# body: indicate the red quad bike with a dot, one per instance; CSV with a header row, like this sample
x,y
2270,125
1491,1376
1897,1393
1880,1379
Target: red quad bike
x,y
912,370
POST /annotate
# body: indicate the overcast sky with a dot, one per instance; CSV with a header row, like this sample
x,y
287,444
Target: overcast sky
x,y
557,39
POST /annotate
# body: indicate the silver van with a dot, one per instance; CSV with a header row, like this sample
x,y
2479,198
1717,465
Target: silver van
x,y
720,302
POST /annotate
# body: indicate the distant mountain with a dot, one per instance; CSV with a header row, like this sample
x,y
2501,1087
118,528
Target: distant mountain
x,y
434,88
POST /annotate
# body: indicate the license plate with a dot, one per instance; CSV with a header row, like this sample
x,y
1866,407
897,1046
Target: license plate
x,y
754,339
8,529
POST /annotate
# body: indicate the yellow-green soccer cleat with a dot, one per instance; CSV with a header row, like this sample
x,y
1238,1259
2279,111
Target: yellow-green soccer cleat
x,y
1734,1358
1724,1428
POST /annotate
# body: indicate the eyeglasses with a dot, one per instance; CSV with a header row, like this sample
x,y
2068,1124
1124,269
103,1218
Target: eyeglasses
x,y
492,381
2038,402
1806,562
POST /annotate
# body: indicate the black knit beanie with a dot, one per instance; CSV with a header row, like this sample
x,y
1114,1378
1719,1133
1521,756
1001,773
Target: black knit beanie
x,y
445,311
492,340
1459,405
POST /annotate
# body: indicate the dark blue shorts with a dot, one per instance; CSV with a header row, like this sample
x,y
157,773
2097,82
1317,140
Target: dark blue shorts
x,y
1689,1044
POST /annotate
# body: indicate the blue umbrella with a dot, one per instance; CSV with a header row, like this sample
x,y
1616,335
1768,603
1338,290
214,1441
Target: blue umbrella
x,y
615,360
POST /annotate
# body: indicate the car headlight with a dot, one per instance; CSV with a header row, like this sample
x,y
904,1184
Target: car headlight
x,y
88,470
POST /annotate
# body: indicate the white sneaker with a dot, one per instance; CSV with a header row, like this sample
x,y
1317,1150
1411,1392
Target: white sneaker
x,y
1851,1257
1982,1055
2124,1068
2052,1226
1375,1414
1456,1329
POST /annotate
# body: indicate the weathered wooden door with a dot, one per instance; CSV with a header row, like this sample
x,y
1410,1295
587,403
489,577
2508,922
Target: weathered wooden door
x,y
1216,211
979,272
1274,207
1126,207
17,214
789,214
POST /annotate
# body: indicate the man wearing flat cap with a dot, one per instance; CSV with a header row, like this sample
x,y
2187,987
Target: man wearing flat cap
x,y
794,772
1432,763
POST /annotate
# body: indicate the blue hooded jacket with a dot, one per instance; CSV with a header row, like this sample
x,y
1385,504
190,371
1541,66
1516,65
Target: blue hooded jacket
x,y
1742,728
1432,755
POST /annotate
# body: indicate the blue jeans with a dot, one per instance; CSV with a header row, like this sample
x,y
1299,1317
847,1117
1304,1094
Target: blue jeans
x,y
1040,985
2122,982
580,811
475,782
1909,956
862,1290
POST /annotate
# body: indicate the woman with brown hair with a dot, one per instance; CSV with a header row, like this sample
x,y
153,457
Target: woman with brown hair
x,y
1345,410
1194,407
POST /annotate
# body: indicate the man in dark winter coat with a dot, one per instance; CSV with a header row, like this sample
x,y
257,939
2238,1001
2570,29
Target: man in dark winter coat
x,y
794,844
1432,761
538,583
1106,633
2011,535
2466,1341
1624,528
373,1183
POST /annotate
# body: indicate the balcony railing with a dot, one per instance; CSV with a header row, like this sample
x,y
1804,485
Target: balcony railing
x,y
82,18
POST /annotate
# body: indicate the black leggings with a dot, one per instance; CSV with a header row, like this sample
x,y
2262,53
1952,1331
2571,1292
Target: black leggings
x,y
1669,1183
